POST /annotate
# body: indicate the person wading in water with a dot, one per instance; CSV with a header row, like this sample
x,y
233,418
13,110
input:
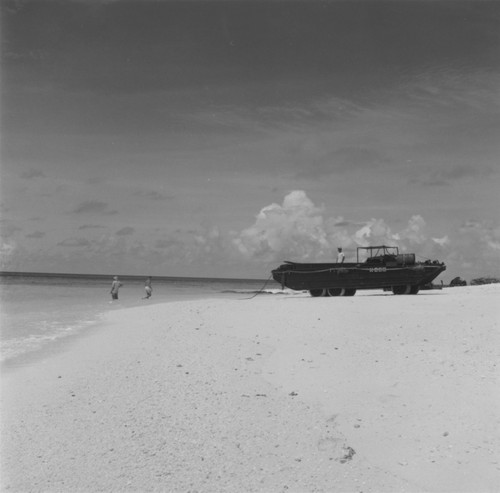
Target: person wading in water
x,y
115,287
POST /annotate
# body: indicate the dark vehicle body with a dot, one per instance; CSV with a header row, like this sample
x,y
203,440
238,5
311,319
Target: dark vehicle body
x,y
457,281
383,268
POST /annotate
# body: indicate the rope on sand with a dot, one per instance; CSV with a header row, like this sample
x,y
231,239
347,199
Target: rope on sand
x,y
260,290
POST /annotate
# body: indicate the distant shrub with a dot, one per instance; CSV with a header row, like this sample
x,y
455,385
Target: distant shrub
x,y
458,281
484,280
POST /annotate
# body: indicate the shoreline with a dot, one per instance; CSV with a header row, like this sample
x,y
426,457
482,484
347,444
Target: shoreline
x,y
98,320
371,393
70,328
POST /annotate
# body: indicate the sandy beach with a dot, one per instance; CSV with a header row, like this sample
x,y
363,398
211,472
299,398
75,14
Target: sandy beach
x,y
279,393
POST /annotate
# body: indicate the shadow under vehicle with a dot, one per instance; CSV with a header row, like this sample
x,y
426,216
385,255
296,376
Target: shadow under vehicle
x,y
383,267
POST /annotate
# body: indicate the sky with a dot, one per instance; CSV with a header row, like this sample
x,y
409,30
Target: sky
x,y
220,138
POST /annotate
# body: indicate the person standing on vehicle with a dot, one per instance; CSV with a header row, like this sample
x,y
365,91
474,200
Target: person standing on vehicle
x,y
340,256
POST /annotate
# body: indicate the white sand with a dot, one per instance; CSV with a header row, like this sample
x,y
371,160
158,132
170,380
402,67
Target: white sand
x,y
374,393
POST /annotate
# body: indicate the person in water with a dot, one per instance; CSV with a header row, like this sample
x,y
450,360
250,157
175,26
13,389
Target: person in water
x,y
340,256
148,288
115,287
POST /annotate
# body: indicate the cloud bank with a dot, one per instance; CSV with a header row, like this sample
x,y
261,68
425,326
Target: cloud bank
x,y
296,229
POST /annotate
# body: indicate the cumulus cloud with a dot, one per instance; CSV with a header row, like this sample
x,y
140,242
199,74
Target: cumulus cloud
x,y
374,232
296,229
442,241
414,233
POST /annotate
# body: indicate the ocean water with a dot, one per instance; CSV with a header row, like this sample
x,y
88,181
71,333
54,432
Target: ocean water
x,y
37,311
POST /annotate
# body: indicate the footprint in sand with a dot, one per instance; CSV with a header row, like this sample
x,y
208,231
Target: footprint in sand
x,y
335,447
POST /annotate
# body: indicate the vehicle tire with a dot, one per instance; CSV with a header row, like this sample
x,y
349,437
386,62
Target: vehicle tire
x,y
336,292
414,289
350,292
405,289
317,292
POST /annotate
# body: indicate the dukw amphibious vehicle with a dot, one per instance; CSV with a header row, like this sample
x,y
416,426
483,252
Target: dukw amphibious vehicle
x,y
376,267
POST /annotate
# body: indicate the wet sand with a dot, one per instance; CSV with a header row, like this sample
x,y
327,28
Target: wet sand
x,y
374,393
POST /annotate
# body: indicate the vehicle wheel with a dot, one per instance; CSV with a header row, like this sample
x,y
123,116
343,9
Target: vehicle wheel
x,y
317,292
401,289
336,292
350,292
414,290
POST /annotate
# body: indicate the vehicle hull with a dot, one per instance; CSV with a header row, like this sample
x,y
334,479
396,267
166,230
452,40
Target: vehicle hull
x,y
354,276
